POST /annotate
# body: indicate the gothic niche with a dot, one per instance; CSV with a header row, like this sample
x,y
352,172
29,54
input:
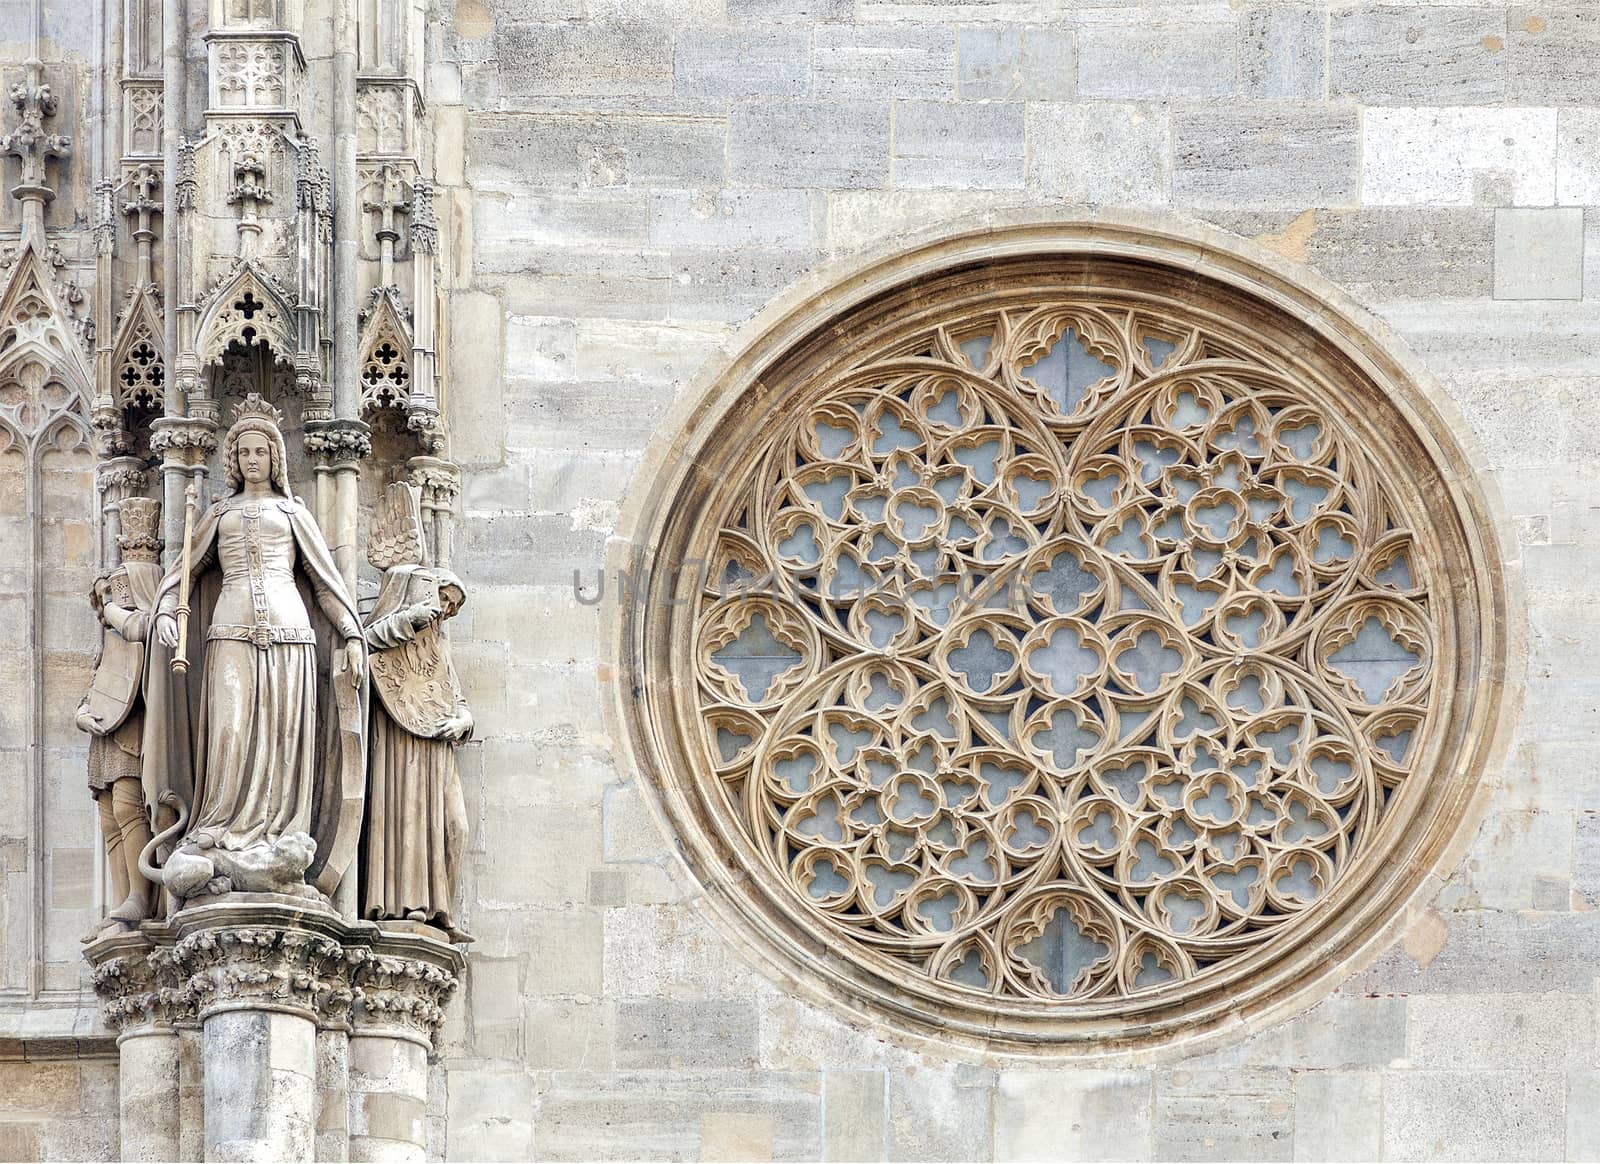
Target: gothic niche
x,y
1070,659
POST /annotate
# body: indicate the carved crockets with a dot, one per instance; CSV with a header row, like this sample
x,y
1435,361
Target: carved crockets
x,y
231,697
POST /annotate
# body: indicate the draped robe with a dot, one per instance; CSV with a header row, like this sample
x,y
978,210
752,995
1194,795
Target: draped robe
x,y
210,734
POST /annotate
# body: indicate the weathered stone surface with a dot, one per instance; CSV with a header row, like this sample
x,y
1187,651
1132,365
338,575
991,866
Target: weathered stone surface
x,y
741,219
1231,1115
1465,1115
969,146
582,150
1309,157
739,63
1456,157
1382,252
1283,50
1334,1115
1100,152
1168,53
1418,54
663,1114
670,1033
868,63
997,63
1070,1114
1551,50
842,144
1505,1032
1538,254
940,1111
601,59
853,1115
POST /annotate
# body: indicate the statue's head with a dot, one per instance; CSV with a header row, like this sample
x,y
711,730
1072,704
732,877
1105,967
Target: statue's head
x,y
254,450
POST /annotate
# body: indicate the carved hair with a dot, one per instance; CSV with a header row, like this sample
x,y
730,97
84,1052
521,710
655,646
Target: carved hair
x,y
254,415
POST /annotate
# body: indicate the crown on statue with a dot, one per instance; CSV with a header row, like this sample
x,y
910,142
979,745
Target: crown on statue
x,y
140,536
253,407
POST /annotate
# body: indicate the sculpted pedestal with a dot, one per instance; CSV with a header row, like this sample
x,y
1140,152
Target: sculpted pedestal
x,y
313,1032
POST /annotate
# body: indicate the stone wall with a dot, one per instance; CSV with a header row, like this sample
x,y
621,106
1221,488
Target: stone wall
x,y
629,183
626,182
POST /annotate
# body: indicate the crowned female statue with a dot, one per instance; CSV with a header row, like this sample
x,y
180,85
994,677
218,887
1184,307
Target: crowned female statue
x,y
261,733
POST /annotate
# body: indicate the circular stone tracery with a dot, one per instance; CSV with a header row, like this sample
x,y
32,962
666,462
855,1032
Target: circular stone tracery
x,y
1069,649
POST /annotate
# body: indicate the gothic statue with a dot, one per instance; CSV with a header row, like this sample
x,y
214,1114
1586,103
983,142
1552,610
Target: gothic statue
x,y
416,816
113,710
260,732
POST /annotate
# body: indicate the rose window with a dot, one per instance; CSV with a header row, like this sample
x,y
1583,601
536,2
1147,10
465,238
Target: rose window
x,y
1067,651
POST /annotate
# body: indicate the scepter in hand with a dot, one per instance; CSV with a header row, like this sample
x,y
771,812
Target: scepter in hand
x,y
191,501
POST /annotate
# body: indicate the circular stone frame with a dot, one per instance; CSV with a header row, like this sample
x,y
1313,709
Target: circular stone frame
x,y
737,402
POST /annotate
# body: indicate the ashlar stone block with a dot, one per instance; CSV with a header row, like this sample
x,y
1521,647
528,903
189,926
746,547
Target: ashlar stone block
x,y
1335,1115
869,62
808,143
1000,63
1117,154
1457,157
1538,253
1307,157
742,62
1073,1115
1474,1115
1173,52
1418,54
961,146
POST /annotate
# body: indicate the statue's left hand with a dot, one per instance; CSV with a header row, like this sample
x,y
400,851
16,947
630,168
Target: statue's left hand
x,y
355,661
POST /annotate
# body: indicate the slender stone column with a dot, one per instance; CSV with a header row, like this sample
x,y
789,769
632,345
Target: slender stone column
x,y
265,970
191,1093
260,1069
401,992
333,1095
144,999
260,1027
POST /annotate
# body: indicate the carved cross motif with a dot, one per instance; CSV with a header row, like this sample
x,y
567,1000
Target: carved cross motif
x,y
391,201
138,209
249,194
31,145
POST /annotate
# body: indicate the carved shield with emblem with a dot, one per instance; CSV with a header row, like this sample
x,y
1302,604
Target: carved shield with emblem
x,y
415,679
115,689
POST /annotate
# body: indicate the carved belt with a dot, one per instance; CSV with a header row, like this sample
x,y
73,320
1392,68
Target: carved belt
x,y
262,636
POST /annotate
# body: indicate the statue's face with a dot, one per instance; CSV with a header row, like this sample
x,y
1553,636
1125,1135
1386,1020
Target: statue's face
x,y
255,458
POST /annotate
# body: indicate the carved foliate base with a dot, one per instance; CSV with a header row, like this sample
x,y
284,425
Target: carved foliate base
x,y
257,951
260,975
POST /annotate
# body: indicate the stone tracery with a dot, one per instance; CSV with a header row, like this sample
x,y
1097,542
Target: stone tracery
x,y
1065,652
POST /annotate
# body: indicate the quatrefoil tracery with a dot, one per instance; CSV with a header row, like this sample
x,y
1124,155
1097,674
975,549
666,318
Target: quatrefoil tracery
x,y
1064,653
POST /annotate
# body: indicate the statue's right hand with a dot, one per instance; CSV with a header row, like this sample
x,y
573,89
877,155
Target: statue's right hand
x,y
167,630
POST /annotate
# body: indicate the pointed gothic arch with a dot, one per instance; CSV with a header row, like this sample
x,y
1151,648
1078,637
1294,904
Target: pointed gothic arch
x,y
385,354
138,358
248,308
45,381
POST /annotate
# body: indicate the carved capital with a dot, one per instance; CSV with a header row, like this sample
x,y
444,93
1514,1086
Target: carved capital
x,y
184,440
404,984
338,442
110,433
139,983
267,967
119,477
439,480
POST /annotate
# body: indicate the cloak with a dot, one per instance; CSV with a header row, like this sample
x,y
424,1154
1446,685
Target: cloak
x,y
172,702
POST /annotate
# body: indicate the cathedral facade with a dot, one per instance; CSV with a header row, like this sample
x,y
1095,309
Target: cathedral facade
x,y
798,579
